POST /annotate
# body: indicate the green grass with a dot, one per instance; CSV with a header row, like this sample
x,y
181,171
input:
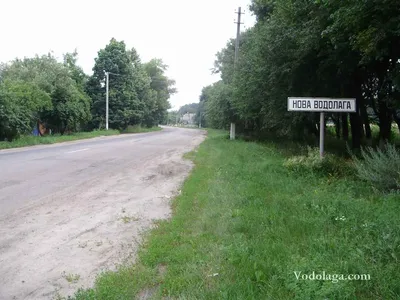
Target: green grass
x,y
57,138
244,224
139,129
71,278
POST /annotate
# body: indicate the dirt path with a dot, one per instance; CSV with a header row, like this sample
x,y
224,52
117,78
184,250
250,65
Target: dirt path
x,y
56,244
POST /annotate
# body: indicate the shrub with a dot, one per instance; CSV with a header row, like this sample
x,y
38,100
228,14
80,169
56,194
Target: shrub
x,y
380,167
312,163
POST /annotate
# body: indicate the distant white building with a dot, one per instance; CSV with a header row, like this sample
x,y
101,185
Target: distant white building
x,y
188,118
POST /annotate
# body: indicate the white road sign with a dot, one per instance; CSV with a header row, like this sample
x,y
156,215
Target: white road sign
x,y
321,104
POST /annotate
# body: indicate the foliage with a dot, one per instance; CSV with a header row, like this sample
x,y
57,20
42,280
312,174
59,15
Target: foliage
x,y
173,117
62,97
162,87
20,105
311,48
189,108
216,101
70,106
138,93
380,167
75,71
125,107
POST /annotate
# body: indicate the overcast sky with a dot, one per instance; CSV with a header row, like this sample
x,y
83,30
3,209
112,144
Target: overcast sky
x,y
185,34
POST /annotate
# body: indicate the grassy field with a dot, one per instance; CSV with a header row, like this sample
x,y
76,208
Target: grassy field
x,y
244,226
57,138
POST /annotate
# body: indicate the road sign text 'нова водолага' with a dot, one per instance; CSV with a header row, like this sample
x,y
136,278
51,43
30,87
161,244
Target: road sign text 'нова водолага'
x,y
321,104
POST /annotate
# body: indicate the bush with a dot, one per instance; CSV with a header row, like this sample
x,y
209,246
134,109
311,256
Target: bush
x,y
380,167
312,163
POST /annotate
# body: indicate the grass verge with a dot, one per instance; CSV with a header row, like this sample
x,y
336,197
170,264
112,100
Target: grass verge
x,y
244,224
57,138
139,129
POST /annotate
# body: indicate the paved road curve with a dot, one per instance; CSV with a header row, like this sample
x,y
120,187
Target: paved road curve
x,y
61,205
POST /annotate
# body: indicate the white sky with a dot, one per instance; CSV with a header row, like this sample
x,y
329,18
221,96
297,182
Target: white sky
x,y
185,34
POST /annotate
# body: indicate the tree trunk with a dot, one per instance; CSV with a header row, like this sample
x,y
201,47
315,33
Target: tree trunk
x,y
345,127
336,121
385,123
355,130
367,126
62,128
362,132
396,118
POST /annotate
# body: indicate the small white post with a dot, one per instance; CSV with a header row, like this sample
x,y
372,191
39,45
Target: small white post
x,y
107,78
321,134
200,121
232,133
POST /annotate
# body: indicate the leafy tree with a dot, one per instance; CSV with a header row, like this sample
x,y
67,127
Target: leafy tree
x,y
70,105
372,29
163,87
125,106
172,117
189,108
75,71
201,113
312,48
20,106
216,98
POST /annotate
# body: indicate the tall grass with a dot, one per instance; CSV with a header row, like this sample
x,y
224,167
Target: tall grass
x,y
380,167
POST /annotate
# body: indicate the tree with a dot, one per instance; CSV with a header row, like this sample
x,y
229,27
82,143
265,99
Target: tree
x,y
75,71
173,117
313,48
162,87
216,98
372,29
20,106
70,105
125,107
189,108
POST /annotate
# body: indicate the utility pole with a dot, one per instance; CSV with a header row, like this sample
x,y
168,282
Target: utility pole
x,y
237,44
239,13
107,79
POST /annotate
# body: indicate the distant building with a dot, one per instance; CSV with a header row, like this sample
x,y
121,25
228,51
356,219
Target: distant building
x,y
188,118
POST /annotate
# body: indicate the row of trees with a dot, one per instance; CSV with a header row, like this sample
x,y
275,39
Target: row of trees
x,y
318,48
64,98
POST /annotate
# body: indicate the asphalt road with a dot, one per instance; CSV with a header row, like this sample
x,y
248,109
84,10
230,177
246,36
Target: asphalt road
x,y
29,174
61,206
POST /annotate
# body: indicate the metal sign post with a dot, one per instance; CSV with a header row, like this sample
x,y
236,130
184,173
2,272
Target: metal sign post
x,y
321,105
321,133
107,80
